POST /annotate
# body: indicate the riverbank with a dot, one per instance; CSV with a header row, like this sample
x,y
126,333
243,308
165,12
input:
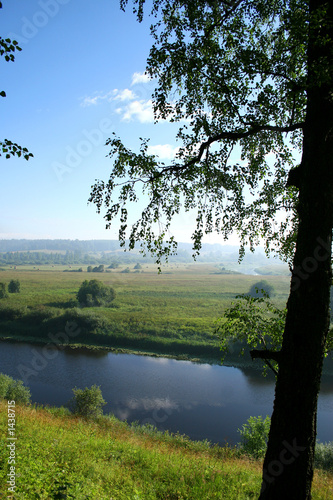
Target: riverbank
x,y
170,314
60,455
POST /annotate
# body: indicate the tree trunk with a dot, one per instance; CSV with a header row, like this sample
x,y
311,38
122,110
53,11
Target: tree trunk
x,y
288,464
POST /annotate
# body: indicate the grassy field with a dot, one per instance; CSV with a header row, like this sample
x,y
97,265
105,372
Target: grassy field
x,y
173,312
60,456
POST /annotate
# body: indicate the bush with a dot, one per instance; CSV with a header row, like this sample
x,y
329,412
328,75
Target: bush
x,y
3,291
254,436
256,289
94,293
14,286
87,402
11,389
324,456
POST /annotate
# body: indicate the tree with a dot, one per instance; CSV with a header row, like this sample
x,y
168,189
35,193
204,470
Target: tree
x,y
7,50
87,402
3,291
98,269
94,293
14,286
261,288
11,389
256,74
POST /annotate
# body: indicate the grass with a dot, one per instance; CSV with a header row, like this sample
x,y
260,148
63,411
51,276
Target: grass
x,y
62,456
173,312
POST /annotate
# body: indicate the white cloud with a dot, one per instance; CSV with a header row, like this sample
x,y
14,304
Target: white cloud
x,y
96,98
112,95
124,95
164,151
140,78
138,110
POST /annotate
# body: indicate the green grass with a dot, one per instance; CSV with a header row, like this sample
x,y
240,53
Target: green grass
x,y
61,456
173,312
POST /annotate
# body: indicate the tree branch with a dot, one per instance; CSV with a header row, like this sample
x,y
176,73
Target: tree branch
x,y
266,354
233,136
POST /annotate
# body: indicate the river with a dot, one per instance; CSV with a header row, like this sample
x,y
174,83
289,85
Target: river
x,y
202,401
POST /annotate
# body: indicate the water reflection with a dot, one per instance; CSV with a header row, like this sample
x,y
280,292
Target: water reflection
x,y
201,400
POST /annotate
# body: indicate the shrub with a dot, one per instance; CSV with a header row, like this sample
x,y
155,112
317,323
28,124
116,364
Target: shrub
x,y
87,402
98,269
11,389
256,289
14,286
254,436
3,291
95,293
324,456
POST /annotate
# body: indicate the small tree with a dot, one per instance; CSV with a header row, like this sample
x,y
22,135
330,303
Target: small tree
x,y
87,402
14,286
89,269
261,288
3,291
94,293
98,269
138,266
11,389
254,436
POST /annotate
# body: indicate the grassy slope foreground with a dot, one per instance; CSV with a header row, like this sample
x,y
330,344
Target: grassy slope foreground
x,y
61,456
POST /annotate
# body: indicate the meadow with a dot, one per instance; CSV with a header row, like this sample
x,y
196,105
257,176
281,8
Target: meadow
x,y
174,312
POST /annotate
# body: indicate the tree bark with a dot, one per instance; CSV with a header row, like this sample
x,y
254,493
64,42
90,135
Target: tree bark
x,y
288,464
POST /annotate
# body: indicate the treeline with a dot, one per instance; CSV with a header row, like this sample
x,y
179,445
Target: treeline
x,y
94,252
78,258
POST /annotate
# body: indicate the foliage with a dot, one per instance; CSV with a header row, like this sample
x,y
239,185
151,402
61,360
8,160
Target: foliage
x,y
254,436
8,48
3,291
14,286
126,270
98,269
95,293
262,289
14,390
87,402
255,321
324,456
225,73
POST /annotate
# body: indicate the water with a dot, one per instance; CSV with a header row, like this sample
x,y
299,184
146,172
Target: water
x,y
200,400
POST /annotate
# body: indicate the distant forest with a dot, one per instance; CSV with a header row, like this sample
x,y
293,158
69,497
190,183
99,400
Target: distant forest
x,y
107,252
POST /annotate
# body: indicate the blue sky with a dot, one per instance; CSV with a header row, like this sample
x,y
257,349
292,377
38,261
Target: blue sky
x,y
79,77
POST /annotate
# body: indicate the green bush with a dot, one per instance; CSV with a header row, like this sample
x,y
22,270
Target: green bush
x,y
94,293
3,291
87,402
254,436
14,286
324,456
11,389
256,289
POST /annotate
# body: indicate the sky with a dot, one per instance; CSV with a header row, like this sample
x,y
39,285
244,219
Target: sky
x,y
79,77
